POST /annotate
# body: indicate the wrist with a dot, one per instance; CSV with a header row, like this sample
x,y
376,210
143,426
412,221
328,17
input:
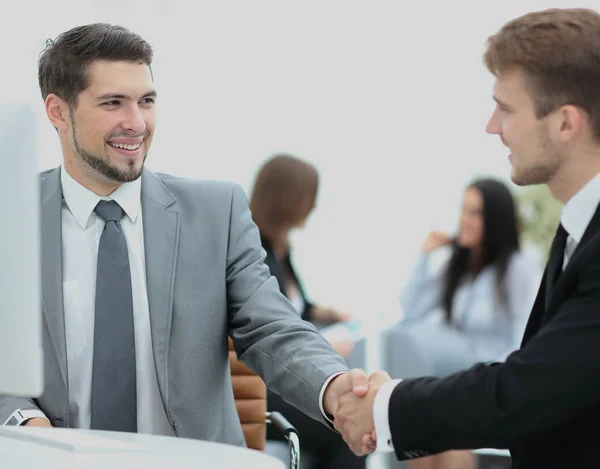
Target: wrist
x,y
330,398
21,417
37,422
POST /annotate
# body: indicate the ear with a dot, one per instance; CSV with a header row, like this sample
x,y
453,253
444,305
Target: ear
x,y
570,122
58,112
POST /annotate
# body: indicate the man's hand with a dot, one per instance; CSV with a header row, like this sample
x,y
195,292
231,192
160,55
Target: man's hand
x,y
354,416
356,383
37,422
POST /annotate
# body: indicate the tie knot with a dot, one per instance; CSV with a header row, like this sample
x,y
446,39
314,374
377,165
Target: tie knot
x,y
561,232
109,210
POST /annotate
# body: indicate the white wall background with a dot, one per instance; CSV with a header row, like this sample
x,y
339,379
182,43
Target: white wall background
x,y
389,99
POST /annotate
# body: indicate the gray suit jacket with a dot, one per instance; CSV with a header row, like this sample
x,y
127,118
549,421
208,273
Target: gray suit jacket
x,y
206,280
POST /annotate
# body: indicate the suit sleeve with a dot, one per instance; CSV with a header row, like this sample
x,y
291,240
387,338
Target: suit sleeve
x,y
289,354
8,404
551,380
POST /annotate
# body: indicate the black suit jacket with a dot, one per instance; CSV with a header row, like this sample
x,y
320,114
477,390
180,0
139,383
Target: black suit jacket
x,y
542,403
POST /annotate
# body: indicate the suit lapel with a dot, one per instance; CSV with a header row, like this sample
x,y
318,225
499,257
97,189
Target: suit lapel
x,y
537,312
550,298
161,241
52,275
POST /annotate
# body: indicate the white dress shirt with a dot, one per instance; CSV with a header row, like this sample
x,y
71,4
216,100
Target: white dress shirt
x,y
577,214
81,230
575,217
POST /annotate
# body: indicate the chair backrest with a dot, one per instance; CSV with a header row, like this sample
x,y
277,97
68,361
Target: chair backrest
x,y
250,393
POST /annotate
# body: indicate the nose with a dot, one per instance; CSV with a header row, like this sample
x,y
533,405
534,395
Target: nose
x,y
493,125
134,120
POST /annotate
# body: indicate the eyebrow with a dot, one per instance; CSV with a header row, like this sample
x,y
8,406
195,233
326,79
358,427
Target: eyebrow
x,y
108,96
502,103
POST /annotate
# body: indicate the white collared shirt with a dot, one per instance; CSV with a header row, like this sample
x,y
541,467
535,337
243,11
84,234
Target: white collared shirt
x,y
577,214
575,218
81,230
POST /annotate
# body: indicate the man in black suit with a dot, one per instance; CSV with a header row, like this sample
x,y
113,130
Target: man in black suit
x,y
543,402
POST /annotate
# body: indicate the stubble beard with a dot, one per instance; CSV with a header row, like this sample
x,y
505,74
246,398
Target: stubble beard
x,y
100,165
538,173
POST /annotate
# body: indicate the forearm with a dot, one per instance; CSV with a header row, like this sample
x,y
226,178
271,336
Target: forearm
x,y
504,404
422,292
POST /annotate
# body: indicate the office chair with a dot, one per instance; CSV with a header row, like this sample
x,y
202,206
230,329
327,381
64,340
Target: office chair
x,y
250,394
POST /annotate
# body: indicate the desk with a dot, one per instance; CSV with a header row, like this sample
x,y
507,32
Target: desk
x,y
59,448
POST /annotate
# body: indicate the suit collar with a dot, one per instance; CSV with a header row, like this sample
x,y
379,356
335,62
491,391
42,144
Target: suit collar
x,y
154,190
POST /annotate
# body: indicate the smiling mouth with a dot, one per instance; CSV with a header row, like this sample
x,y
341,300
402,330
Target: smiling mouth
x,y
126,147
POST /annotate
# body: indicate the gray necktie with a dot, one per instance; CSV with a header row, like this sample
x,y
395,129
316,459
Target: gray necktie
x,y
113,377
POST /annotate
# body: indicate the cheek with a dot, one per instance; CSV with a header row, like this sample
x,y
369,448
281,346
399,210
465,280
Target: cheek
x,y
478,225
150,119
511,131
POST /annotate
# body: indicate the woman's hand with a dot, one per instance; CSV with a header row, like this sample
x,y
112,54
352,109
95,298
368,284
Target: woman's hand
x,y
343,347
329,315
434,240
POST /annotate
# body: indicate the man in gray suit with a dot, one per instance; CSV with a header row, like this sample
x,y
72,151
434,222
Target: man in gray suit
x,y
145,275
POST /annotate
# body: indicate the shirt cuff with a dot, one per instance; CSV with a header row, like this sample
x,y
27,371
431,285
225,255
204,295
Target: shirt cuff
x,y
322,394
381,408
20,417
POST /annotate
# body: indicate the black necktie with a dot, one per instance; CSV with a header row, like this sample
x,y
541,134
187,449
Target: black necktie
x,y
113,376
555,261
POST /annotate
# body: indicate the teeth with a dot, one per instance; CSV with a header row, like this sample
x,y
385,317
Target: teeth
x,y
125,147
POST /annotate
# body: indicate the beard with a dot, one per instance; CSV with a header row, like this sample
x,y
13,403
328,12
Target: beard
x,y
102,165
539,173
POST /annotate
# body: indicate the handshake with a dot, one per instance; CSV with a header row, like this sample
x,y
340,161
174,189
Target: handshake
x,y
349,398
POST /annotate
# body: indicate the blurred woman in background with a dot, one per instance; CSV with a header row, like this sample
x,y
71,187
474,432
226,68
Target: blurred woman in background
x,y
282,199
476,306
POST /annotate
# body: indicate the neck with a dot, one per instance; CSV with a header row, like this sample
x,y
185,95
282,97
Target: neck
x,y
574,174
280,245
88,178
476,259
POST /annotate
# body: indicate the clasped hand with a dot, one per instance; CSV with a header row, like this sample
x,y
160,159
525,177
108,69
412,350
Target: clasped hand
x,y
350,398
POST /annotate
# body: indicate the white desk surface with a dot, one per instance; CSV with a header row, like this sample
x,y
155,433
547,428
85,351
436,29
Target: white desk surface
x,y
53,448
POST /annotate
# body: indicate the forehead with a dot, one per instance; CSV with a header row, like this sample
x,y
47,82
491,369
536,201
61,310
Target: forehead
x,y
472,197
130,78
511,86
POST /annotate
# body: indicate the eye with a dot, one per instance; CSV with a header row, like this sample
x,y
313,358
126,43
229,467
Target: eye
x,y
503,109
111,103
149,101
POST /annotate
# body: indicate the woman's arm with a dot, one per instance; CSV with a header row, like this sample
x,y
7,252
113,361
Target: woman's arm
x,y
423,290
522,284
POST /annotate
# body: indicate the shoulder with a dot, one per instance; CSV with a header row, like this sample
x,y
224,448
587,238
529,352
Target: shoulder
x,y
222,196
44,175
180,185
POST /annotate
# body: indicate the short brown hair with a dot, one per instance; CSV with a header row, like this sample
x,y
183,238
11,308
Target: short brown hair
x,y
559,51
284,194
63,64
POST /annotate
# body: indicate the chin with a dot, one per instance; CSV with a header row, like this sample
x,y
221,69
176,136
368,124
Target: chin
x,y
517,178
464,243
